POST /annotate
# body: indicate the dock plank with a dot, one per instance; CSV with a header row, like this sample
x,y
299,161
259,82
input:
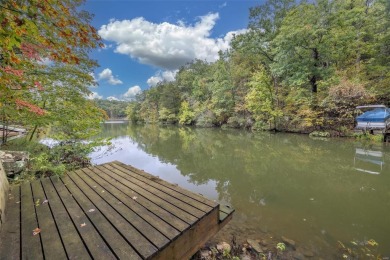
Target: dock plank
x,y
31,244
111,234
186,209
10,245
112,211
95,244
143,227
74,245
177,212
158,223
51,241
165,215
155,183
177,188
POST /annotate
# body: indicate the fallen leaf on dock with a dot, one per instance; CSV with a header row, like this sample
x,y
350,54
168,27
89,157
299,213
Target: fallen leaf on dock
x,y
37,202
91,210
83,224
134,198
45,201
36,231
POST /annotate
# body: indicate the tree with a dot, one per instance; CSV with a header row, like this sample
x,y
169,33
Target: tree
x,y
113,108
44,52
221,87
261,100
265,22
302,47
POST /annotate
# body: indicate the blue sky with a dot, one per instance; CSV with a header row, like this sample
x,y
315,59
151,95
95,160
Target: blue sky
x,y
147,41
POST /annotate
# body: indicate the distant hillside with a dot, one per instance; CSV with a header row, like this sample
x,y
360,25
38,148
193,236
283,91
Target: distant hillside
x,y
113,108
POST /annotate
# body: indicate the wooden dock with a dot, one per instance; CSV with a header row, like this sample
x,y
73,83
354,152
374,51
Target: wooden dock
x,y
109,211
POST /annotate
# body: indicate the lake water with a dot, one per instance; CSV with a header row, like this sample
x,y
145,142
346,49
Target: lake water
x,y
316,192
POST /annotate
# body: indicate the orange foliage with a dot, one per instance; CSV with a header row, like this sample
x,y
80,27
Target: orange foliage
x,y
32,108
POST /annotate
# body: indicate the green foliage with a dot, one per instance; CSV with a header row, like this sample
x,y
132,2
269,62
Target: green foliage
x,y
304,66
113,108
132,112
206,118
238,121
281,247
260,100
167,116
46,161
42,165
186,115
37,94
366,137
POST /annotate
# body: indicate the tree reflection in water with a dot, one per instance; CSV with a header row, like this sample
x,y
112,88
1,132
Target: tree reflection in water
x,y
281,184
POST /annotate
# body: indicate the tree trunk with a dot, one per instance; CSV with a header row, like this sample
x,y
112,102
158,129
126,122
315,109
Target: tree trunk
x,y
313,80
33,132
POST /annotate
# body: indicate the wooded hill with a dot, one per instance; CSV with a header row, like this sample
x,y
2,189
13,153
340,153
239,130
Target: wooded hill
x,y
302,65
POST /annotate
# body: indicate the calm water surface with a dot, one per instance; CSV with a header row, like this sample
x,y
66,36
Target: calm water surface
x,y
315,192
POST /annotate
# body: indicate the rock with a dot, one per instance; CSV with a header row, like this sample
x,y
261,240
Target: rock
x,y
288,241
264,242
256,246
298,255
245,257
224,247
205,254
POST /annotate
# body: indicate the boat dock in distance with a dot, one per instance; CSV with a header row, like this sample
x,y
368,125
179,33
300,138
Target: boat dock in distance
x,y
373,119
108,211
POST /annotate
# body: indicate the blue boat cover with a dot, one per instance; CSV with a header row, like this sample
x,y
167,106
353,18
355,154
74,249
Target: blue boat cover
x,y
376,115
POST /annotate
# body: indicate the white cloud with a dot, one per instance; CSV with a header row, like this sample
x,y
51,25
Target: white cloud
x,y
154,80
111,98
168,75
106,74
166,45
223,5
94,95
132,92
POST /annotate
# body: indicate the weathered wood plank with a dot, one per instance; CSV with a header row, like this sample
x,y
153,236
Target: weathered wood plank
x,y
154,182
10,245
31,244
143,227
91,237
185,209
132,204
51,241
177,188
192,239
142,199
186,217
109,212
71,239
111,235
